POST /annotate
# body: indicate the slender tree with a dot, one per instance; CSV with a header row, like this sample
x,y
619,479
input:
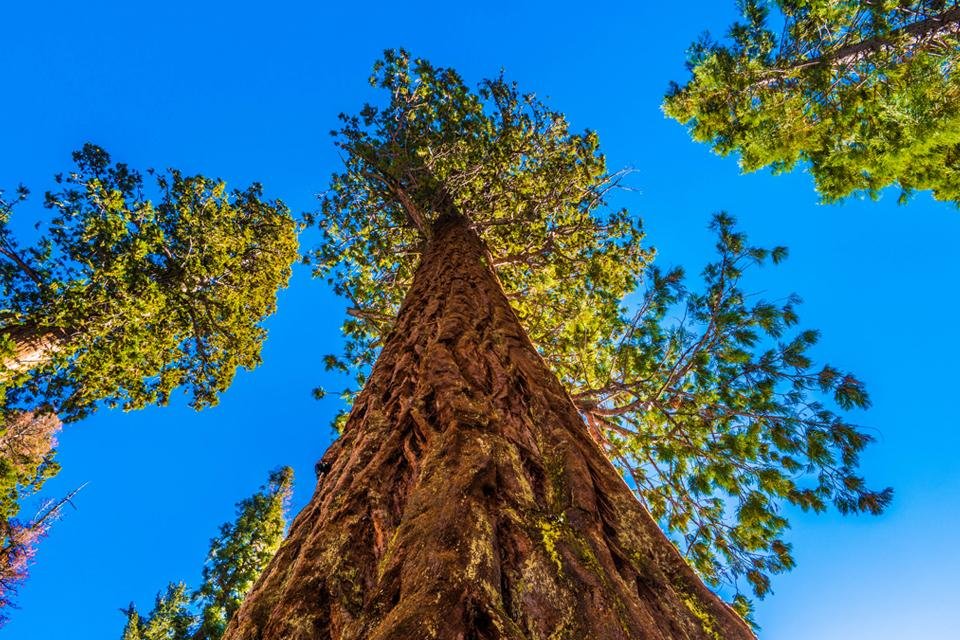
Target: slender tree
x,y
471,494
122,300
237,557
864,91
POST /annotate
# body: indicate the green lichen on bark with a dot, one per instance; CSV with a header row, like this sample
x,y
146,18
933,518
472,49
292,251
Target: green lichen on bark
x,y
550,532
706,620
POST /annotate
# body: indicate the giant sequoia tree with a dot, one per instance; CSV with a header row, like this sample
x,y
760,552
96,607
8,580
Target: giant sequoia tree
x,y
134,288
865,91
472,494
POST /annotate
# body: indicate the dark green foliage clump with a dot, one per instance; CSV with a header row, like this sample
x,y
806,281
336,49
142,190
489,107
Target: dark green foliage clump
x,y
237,557
718,418
864,91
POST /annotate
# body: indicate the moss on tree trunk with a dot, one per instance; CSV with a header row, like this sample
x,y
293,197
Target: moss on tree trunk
x,y
466,500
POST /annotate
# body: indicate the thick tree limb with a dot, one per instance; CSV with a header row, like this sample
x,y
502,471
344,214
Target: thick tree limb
x,y
932,29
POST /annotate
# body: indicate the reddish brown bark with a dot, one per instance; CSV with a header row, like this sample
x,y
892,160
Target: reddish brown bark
x,y
465,499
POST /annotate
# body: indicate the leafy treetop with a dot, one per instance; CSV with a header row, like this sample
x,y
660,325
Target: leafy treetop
x,y
531,188
714,416
123,299
865,91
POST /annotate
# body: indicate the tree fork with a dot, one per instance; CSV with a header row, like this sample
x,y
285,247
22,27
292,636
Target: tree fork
x,y
466,499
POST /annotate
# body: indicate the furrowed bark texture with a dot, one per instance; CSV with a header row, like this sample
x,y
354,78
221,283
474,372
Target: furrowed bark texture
x,y
465,499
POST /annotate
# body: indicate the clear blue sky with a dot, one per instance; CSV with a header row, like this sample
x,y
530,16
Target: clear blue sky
x,y
248,91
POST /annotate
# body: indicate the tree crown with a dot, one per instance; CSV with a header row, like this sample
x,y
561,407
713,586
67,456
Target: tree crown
x,y
861,90
714,415
135,297
530,187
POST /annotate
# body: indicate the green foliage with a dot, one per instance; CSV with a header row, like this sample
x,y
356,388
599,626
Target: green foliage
x,y
715,418
721,416
862,90
240,553
531,188
135,298
170,619
237,557
124,299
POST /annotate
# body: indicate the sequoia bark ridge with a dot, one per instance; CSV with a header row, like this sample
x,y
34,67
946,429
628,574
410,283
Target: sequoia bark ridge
x,y
465,499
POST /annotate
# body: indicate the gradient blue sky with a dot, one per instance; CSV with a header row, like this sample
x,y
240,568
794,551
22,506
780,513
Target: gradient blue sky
x,y
249,91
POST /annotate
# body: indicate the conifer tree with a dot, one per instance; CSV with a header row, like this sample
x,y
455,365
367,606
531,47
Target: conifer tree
x,y
472,494
863,91
132,290
124,298
170,618
237,557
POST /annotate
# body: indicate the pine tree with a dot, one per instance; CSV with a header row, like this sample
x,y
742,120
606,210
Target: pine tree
x,y
471,494
122,300
237,557
170,618
864,91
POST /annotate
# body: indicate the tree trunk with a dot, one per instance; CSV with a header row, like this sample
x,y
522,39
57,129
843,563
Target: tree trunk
x,y
465,499
32,346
